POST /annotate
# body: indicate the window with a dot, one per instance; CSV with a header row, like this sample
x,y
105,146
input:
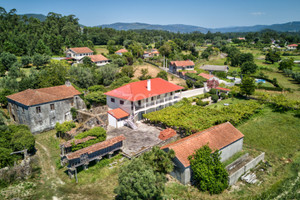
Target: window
x,y
38,109
121,102
52,107
112,100
171,93
80,54
23,109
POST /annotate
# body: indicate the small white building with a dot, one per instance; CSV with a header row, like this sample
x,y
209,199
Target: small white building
x,y
292,46
150,53
138,98
99,59
176,66
78,53
121,51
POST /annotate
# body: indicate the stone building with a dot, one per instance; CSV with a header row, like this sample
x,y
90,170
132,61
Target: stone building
x,y
40,109
224,137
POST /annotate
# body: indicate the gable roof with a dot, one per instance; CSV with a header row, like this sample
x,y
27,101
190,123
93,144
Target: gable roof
x,y
138,90
81,50
118,113
293,45
190,71
183,63
166,134
121,51
95,147
32,97
215,67
97,58
217,137
207,76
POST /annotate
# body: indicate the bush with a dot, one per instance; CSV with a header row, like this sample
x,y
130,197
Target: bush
x,y
74,113
208,171
202,103
64,127
163,75
212,91
96,88
214,98
96,97
206,95
223,96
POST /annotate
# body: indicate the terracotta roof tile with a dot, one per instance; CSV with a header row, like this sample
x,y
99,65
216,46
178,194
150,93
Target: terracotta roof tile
x,y
95,147
207,76
138,90
79,141
224,89
217,137
118,113
166,134
183,63
31,97
121,51
293,45
81,50
191,71
97,58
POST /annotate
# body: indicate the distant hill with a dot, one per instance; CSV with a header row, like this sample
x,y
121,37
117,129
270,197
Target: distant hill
x,y
286,27
41,17
172,27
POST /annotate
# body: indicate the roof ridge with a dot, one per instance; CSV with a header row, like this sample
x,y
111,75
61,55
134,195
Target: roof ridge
x,y
196,134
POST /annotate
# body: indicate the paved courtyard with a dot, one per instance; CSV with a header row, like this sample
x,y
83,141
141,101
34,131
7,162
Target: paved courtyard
x,y
136,140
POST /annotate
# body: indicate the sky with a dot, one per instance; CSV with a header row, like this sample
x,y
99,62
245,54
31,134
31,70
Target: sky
x,y
204,13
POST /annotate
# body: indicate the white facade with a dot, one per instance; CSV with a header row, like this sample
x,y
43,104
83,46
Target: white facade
x,y
147,105
101,63
117,123
77,56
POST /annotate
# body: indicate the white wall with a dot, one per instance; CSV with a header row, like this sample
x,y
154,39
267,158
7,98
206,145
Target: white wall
x,y
113,105
112,121
231,149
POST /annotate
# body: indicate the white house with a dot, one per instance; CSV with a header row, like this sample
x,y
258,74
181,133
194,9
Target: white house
x,y
138,98
224,137
176,66
78,52
121,51
292,46
99,59
150,53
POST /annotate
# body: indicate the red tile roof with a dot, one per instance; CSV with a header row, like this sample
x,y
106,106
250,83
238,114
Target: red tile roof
x,y
191,71
118,113
224,89
183,63
121,51
166,134
138,90
97,58
95,147
217,137
79,141
81,50
207,76
43,95
293,45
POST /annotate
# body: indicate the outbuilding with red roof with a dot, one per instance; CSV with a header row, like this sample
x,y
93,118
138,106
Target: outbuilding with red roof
x,y
224,137
99,59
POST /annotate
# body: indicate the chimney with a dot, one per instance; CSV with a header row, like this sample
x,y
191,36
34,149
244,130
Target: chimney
x,y
149,84
68,83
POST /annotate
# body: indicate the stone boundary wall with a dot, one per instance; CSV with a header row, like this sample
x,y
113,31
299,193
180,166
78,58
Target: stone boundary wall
x,y
233,178
20,171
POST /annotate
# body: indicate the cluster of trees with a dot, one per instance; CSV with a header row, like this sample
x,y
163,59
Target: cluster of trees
x,y
144,177
14,138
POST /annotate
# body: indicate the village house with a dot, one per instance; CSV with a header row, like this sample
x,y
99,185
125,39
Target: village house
x,y
99,59
78,53
176,66
128,103
150,53
215,68
121,51
292,46
40,109
224,137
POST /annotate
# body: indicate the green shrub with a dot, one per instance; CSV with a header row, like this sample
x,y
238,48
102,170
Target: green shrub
x,y
212,91
96,88
96,97
214,98
223,96
64,127
74,113
202,103
206,95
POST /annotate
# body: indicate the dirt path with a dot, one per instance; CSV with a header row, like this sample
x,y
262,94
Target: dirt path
x,y
48,168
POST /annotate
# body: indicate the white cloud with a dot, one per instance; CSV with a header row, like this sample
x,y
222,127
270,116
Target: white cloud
x,y
258,13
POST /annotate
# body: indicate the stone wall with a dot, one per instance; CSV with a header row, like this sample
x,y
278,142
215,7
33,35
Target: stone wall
x,y
21,171
233,178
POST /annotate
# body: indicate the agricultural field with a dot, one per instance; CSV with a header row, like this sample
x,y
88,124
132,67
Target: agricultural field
x,y
101,49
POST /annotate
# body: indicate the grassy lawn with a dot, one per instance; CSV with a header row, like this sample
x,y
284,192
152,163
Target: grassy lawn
x,y
101,49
